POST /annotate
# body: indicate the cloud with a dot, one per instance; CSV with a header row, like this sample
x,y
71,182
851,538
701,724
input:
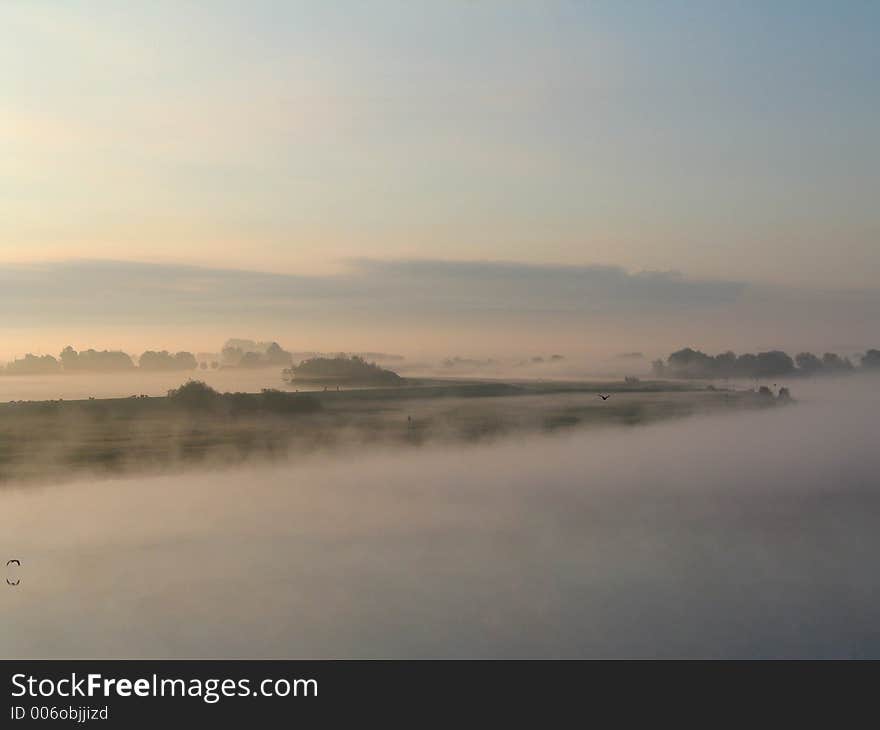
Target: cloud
x,y
117,290
493,284
442,306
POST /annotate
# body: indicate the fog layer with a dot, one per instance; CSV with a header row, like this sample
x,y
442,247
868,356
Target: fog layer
x,y
745,535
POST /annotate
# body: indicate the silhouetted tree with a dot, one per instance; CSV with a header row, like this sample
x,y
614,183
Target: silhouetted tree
x,y
774,364
871,360
690,363
194,395
251,360
808,363
341,369
69,358
746,365
231,355
151,360
725,364
94,360
833,363
34,365
186,360
276,356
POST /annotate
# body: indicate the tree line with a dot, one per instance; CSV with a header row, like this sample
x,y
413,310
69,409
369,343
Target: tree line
x,y
340,369
99,361
239,353
236,353
690,363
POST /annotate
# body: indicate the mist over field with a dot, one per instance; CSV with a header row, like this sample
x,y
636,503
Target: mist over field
x,y
122,385
136,382
752,534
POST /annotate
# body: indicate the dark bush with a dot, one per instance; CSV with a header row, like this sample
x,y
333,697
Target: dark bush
x,y
195,395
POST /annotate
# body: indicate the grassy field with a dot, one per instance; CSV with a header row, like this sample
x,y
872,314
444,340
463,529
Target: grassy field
x,y
44,441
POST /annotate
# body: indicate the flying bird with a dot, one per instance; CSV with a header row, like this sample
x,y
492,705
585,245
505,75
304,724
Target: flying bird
x,y
14,561
10,583
604,397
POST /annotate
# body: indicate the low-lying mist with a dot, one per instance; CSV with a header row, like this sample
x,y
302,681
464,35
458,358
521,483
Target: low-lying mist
x,y
748,534
81,386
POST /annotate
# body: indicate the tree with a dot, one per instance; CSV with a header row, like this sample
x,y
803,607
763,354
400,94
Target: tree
x,y
871,360
164,360
33,365
185,361
275,355
689,363
808,363
231,355
746,365
69,358
194,395
834,363
342,369
250,360
725,364
94,360
773,364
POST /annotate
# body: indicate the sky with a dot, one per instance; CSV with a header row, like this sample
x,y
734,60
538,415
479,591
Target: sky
x,y
321,142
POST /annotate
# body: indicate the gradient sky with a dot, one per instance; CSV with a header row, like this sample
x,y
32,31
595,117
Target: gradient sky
x,y
337,144
733,139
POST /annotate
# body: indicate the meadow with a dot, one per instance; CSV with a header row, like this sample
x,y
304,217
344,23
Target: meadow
x,y
61,439
737,532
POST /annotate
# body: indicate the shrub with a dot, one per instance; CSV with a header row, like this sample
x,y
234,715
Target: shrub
x,y
194,395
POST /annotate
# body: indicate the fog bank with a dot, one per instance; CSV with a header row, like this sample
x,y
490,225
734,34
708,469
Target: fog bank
x,y
745,535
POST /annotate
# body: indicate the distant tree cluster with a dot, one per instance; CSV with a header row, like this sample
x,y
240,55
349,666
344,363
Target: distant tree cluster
x,y
829,363
208,360
341,369
464,362
239,353
33,365
196,396
535,360
164,360
871,360
690,363
92,361
97,361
